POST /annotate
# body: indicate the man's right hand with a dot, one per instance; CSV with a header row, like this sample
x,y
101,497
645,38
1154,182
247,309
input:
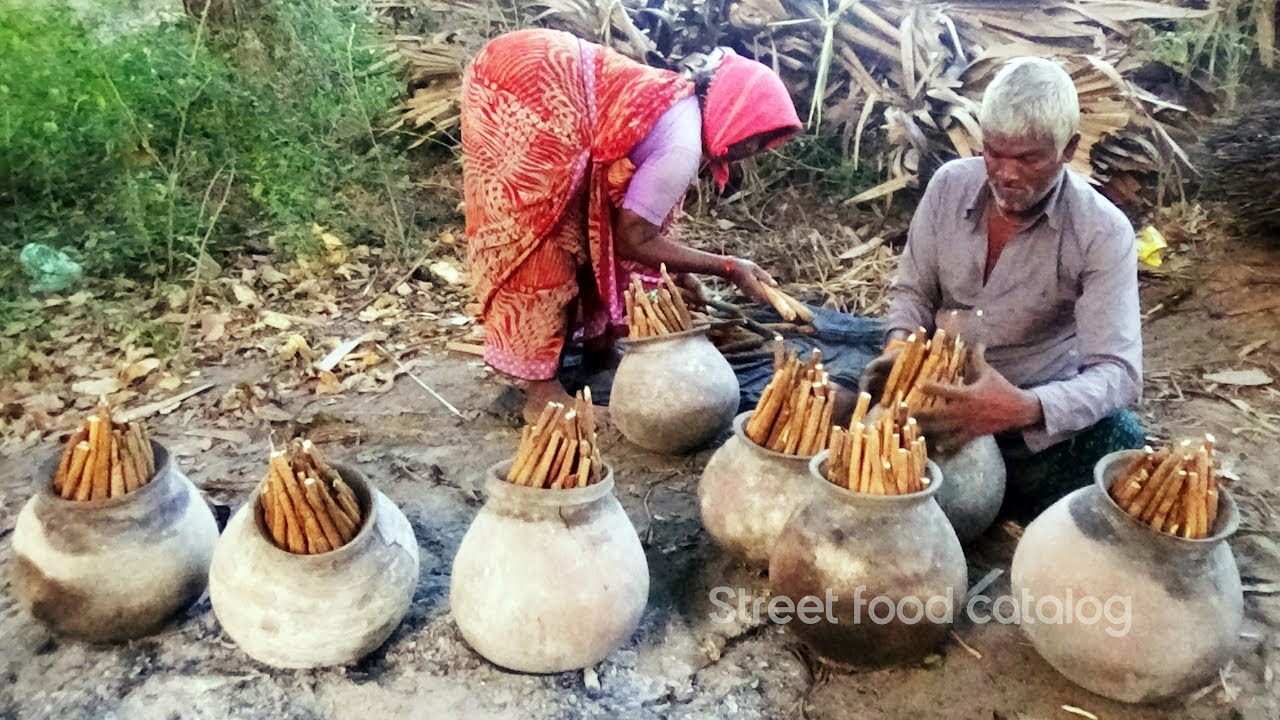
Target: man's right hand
x,y
877,373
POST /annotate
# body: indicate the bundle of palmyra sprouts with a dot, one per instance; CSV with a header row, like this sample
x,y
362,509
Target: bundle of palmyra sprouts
x,y
793,415
306,506
939,359
560,450
663,311
788,307
1174,490
660,312
885,457
104,459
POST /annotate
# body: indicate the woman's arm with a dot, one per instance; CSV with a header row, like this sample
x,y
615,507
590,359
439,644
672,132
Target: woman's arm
x,y
639,240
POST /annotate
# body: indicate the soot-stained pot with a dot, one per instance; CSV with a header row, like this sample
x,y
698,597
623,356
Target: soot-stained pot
x,y
1121,609
975,483
974,489
673,393
748,492
304,611
113,569
548,580
888,570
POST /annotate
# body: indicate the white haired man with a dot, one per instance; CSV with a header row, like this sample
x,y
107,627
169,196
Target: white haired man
x,y
1040,271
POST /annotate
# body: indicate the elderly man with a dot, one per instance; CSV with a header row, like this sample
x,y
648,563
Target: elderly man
x,y
1022,257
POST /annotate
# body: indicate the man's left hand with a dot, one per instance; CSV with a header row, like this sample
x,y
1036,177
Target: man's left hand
x,y
988,405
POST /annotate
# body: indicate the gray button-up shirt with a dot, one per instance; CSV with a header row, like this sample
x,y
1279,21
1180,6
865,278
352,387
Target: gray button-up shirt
x,y
1059,314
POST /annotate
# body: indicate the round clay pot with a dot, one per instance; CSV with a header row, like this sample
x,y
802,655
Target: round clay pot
x,y
115,569
1181,598
974,490
748,492
548,580
304,611
673,393
863,557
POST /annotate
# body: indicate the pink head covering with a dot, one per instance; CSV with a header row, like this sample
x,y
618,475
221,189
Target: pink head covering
x,y
745,99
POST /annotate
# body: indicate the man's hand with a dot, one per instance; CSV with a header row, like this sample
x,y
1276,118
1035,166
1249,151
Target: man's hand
x,y
877,371
750,279
988,405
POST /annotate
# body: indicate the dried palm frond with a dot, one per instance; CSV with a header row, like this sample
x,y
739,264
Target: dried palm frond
x,y
913,71
1240,155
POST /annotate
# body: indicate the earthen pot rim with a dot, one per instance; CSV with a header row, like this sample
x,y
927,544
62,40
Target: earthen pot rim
x,y
44,484
352,477
740,430
497,485
630,344
1228,520
819,461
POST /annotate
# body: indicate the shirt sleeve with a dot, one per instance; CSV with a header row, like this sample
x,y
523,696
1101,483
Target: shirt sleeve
x,y
914,295
1109,342
667,161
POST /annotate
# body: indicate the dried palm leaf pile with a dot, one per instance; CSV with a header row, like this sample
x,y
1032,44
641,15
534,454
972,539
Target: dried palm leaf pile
x,y
913,71
1241,161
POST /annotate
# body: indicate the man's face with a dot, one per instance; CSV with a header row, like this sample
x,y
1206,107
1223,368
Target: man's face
x,y
1022,170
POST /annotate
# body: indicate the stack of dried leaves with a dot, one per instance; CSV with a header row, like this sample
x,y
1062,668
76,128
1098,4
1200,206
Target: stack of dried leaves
x,y
1241,160
915,70
351,320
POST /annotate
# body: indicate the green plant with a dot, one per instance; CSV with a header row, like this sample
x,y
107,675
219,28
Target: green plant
x,y
109,147
1217,47
822,160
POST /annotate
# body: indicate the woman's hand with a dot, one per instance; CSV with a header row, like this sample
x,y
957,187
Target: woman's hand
x,y
750,279
692,290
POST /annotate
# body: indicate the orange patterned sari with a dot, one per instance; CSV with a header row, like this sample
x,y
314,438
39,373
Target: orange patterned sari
x,y
542,134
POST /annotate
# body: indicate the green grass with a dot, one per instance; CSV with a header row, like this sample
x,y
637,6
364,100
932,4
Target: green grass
x,y
121,152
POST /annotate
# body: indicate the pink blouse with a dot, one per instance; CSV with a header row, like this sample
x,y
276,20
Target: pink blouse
x,y
666,161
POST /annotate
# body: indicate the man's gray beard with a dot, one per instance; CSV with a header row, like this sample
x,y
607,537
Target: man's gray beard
x,y
1020,207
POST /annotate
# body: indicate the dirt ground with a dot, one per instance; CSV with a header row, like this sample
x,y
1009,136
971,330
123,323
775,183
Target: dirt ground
x,y
1210,303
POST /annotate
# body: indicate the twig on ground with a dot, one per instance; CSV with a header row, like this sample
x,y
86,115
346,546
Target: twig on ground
x,y
448,405
956,636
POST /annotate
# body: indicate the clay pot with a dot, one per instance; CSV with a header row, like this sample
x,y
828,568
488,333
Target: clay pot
x,y
673,393
548,580
858,553
116,569
1181,598
304,611
974,490
748,492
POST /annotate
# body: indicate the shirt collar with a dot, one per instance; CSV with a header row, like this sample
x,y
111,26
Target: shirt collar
x,y
1051,213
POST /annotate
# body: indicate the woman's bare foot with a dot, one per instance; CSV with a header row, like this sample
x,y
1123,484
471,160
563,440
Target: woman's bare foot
x,y
539,393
